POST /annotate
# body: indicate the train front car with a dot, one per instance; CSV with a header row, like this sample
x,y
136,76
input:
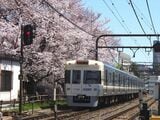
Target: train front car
x,y
83,82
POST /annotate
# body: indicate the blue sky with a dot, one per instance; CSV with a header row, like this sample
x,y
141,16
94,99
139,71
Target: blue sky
x,y
127,17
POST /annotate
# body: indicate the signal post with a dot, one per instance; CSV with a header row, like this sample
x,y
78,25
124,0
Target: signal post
x,y
27,36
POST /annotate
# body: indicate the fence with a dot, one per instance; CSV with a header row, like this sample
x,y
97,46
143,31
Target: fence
x,y
13,104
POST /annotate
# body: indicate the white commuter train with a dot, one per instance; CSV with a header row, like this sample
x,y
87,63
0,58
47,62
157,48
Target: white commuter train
x,y
89,83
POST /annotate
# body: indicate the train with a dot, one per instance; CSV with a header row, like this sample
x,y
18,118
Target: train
x,y
91,83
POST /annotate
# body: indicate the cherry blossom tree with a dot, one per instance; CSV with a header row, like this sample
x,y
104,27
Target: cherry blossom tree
x,y
65,30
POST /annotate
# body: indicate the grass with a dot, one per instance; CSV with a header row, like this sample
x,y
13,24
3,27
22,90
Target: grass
x,y
43,105
38,105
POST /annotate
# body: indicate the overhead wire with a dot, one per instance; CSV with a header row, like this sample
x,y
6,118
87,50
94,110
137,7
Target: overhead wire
x,y
143,18
122,19
139,21
125,28
68,19
73,23
150,16
114,15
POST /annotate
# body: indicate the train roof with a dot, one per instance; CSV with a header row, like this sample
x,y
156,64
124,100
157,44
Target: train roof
x,y
112,67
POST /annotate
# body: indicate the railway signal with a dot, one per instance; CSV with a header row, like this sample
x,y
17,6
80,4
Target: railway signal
x,y
28,34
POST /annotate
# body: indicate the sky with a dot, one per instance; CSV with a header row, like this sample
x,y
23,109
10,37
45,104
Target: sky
x,y
123,21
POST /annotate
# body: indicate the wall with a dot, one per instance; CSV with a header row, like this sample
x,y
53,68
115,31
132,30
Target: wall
x,y
15,68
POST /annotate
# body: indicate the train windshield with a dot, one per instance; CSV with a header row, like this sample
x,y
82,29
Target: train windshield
x,y
92,77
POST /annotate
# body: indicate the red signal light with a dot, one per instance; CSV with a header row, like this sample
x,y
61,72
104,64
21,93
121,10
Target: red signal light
x,y
28,34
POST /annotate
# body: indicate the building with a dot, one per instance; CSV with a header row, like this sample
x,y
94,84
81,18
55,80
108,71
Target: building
x,y
125,60
9,71
150,84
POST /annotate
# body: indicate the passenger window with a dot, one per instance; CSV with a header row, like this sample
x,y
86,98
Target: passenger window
x,y
113,79
76,77
110,79
123,81
119,80
67,76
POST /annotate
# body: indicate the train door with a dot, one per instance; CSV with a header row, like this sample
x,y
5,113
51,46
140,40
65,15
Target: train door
x,y
76,86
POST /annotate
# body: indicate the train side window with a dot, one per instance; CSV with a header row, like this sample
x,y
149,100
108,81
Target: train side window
x,y
126,81
113,79
76,76
119,79
110,79
134,83
116,78
67,76
123,81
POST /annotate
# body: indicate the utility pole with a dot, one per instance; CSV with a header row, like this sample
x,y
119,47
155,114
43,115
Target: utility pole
x,y
27,35
54,99
158,99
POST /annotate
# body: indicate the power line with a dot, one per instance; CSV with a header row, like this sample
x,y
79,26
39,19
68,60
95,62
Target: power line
x,y
150,16
139,20
125,28
123,21
74,24
143,17
129,31
68,19
115,15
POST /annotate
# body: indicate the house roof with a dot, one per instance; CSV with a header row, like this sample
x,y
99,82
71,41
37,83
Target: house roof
x,y
9,55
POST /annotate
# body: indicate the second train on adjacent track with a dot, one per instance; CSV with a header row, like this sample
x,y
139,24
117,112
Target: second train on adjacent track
x,y
89,83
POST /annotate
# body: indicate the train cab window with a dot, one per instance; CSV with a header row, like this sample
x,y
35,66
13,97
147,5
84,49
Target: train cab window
x,y
76,76
67,76
92,77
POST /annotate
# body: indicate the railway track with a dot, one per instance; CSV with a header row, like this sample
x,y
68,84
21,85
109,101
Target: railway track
x,y
113,112
133,112
120,111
